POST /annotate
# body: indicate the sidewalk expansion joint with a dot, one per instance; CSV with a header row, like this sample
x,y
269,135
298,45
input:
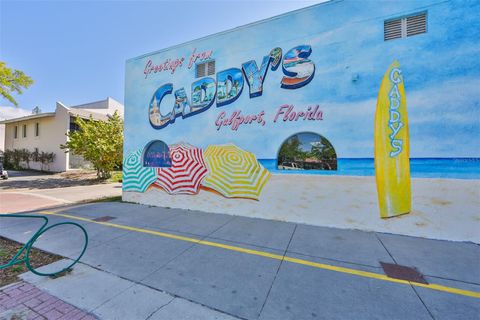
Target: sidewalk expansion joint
x,y
278,270
159,308
385,247
423,302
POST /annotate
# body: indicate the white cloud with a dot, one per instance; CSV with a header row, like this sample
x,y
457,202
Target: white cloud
x,y
12,112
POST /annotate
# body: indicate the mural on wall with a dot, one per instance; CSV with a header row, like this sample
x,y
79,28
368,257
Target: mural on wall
x,y
296,103
307,151
203,94
229,86
156,155
298,69
226,170
136,177
392,155
156,118
234,173
256,76
186,171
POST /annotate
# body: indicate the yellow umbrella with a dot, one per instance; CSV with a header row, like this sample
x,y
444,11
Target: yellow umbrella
x,y
233,172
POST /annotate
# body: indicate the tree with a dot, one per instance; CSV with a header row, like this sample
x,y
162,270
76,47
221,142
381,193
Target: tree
x,y
290,150
100,142
45,158
323,150
12,81
25,155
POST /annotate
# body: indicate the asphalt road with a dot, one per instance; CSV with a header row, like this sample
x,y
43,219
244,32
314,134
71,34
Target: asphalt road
x,y
26,191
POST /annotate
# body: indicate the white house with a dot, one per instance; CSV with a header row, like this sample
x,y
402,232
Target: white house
x,y
45,132
2,138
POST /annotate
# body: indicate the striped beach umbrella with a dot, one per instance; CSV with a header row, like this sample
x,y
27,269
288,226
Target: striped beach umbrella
x,y
135,176
187,170
234,172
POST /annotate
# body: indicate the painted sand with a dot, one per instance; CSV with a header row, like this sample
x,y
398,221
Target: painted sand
x,y
445,209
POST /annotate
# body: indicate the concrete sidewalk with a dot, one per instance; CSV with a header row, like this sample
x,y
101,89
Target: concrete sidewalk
x,y
108,296
20,200
261,269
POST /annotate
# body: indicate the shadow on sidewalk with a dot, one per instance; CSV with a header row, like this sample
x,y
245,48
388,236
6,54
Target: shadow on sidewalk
x,y
41,180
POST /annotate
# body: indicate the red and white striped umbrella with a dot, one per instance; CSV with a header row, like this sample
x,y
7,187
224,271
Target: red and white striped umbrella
x,y
187,170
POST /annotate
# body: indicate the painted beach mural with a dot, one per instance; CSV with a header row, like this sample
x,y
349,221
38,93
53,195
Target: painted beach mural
x,y
295,119
391,145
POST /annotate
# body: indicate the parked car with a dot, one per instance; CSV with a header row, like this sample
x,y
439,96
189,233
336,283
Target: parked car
x,y
289,166
3,173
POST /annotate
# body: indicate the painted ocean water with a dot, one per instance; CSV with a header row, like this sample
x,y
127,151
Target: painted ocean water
x,y
450,168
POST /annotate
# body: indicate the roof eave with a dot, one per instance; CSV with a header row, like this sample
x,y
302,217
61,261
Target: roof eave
x,y
29,117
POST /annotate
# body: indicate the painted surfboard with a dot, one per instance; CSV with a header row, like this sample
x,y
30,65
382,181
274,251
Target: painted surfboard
x,y
392,152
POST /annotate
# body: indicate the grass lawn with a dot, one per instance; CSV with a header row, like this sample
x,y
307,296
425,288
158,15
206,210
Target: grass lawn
x,y
106,199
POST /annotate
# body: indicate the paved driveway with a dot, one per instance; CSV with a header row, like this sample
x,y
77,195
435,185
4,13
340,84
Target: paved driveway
x,y
27,191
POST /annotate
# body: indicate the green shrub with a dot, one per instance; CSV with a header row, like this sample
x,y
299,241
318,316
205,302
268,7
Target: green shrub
x,y
116,177
12,158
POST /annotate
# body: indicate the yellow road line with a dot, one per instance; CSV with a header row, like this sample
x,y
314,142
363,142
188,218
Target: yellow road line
x,y
323,266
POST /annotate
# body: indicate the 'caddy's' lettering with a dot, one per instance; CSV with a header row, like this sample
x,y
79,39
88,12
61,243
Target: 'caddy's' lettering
x,y
229,83
395,120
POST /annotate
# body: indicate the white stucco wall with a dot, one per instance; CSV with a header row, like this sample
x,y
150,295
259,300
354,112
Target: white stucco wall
x,y
107,106
52,131
2,137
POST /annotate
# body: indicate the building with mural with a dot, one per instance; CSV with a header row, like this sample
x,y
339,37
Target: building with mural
x,y
345,114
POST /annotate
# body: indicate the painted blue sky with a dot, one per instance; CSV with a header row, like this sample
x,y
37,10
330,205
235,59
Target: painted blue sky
x,y
307,140
76,50
440,68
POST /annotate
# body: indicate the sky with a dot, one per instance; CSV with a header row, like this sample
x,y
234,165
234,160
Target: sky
x,y
440,71
75,51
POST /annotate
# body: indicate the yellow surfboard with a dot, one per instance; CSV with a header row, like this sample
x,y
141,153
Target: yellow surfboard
x,y
392,152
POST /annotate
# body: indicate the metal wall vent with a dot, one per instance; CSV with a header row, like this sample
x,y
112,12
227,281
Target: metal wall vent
x,y
416,24
405,27
205,69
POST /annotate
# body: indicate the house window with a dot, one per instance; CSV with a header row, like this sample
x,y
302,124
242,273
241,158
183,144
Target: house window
x,y
205,69
405,27
37,129
24,131
73,125
15,132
